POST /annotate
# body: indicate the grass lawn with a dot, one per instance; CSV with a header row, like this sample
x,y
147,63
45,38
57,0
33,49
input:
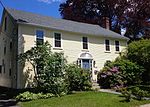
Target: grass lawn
x,y
84,99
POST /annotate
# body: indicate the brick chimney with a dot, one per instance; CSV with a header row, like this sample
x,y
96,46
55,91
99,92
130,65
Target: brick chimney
x,y
105,23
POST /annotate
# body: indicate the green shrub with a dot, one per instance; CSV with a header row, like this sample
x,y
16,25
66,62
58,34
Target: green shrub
x,y
48,68
126,94
77,78
138,93
139,52
120,73
28,96
52,78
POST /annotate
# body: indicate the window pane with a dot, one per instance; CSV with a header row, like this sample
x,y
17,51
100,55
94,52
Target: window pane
x,y
117,45
57,36
5,50
107,48
39,34
39,41
5,24
57,43
116,42
117,48
107,45
85,64
0,68
85,46
85,39
85,42
107,42
10,45
9,72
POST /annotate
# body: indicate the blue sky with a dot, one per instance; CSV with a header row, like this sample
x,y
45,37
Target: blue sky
x,y
44,7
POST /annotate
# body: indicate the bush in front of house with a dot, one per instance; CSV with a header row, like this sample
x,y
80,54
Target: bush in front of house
x,y
28,96
120,73
77,78
139,52
52,75
48,68
52,78
136,92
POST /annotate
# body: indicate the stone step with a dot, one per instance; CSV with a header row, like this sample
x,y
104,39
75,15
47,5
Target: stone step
x,y
95,85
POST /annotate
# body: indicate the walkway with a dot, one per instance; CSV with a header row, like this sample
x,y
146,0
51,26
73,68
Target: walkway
x,y
146,105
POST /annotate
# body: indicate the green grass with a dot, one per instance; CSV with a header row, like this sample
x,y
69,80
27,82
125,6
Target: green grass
x,y
84,99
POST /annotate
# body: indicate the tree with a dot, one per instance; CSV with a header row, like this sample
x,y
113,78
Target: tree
x,y
139,52
48,68
130,14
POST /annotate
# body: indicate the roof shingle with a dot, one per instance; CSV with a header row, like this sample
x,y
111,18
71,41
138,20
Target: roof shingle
x,y
61,24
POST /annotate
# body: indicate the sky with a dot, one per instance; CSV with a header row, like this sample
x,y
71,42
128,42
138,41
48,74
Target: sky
x,y
43,7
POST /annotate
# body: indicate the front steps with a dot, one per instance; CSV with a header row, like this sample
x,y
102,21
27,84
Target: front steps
x,y
95,86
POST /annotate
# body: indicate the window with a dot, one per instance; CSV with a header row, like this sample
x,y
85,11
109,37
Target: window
x,y
117,45
57,39
85,42
9,72
39,37
4,50
5,24
3,66
0,69
107,45
10,46
5,42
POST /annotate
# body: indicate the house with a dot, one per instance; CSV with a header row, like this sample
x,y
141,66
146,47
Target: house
x,y
90,46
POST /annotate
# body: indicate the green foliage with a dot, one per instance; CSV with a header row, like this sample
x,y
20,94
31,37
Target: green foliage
x,y
139,93
85,99
135,91
52,78
120,73
126,94
78,79
48,68
139,52
28,96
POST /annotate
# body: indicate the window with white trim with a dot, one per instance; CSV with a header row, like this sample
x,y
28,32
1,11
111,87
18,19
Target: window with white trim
x,y
117,46
5,24
85,42
57,40
107,45
39,37
0,69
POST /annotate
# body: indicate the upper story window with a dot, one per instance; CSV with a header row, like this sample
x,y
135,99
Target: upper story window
x,y
0,69
85,42
57,39
10,46
3,64
5,42
5,24
117,48
107,45
10,72
39,36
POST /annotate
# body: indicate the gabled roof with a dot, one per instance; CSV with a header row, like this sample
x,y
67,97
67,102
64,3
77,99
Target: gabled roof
x,y
61,24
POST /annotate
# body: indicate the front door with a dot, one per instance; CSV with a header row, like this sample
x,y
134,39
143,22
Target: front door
x,y
86,64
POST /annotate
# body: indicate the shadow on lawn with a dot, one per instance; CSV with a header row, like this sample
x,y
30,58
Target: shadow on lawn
x,y
7,96
7,103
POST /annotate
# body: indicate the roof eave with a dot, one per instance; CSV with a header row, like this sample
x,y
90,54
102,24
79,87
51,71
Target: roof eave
x,y
33,24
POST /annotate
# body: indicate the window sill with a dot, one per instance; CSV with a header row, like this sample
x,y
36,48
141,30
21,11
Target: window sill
x,y
117,52
85,50
57,48
107,51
